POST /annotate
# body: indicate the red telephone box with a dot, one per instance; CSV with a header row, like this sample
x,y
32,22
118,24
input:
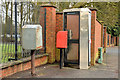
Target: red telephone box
x,y
62,39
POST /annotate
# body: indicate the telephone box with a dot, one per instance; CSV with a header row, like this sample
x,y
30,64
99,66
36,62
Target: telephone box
x,y
78,22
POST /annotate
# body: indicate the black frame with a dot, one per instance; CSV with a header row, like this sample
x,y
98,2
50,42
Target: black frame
x,y
108,40
66,62
89,62
45,31
111,41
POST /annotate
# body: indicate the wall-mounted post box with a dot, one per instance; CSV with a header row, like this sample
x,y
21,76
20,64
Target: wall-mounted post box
x,y
32,37
61,43
62,37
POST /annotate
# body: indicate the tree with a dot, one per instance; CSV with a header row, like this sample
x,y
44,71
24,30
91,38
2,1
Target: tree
x,y
11,29
107,11
6,20
63,5
115,31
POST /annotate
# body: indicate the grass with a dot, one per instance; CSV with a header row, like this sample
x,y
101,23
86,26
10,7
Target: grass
x,y
8,51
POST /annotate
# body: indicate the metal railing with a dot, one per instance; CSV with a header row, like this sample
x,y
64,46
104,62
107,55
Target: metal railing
x,y
12,50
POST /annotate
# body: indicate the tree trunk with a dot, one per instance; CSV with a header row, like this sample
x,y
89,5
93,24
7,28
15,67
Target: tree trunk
x,y
21,11
6,20
11,20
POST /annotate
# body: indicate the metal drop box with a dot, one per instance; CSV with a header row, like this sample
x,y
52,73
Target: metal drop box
x,y
32,37
100,55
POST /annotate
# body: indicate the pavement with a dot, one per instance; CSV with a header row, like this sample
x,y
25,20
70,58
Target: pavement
x,y
108,69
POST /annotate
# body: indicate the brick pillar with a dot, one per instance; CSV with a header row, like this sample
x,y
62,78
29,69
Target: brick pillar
x,y
105,37
50,31
93,19
59,27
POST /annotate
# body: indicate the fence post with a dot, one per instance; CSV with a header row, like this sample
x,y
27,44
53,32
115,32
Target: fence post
x,y
15,30
45,31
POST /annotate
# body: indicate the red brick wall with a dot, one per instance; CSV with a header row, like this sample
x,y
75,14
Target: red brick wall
x,y
106,39
97,36
59,22
22,66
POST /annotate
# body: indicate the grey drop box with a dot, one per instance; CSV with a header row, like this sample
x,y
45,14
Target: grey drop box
x,y
32,37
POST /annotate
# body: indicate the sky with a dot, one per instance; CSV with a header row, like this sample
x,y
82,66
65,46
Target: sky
x,y
0,10
0,7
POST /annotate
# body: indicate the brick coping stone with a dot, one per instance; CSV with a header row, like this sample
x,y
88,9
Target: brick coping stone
x,y
48,5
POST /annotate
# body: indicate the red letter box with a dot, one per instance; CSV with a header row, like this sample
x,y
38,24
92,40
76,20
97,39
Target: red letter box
x,y
61,41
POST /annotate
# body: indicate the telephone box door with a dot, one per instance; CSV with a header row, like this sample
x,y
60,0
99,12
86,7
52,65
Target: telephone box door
x,y
72,24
